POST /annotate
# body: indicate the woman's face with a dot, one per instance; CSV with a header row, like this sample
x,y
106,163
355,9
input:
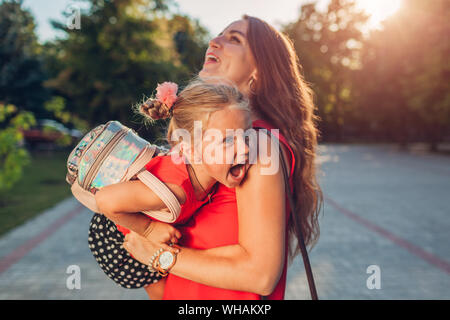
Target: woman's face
x,y
229,56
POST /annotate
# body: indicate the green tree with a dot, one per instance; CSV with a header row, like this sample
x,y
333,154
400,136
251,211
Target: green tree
x,y
426,66
21,71
120,53
403,86
191,42
328,44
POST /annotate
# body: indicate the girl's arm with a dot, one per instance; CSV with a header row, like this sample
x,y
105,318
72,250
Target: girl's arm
x,y
256,262
122,203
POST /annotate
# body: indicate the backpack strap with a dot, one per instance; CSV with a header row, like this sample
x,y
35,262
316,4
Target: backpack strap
x,y
164,193
158,187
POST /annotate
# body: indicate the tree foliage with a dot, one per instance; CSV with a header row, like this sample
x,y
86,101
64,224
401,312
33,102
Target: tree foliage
x,y
404,84
328,43
120,53
21,70
21,88
389,85
13,157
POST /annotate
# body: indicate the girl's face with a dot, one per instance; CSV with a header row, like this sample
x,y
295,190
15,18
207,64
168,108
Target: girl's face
x,y
224,149
229,56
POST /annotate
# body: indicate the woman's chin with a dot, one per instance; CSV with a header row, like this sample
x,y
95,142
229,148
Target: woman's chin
x,y
207,72
203,73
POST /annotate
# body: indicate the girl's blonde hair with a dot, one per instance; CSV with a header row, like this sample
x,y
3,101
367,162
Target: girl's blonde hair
x,y
196,102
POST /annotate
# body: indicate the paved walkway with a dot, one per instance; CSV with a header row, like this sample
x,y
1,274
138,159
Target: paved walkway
x,y
383,208
36,256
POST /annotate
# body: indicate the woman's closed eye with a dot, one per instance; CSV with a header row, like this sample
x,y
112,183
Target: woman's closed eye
x,y
235,39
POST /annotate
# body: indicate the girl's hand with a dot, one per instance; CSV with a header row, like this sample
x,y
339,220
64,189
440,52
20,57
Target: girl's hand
x,y
141,248
161,233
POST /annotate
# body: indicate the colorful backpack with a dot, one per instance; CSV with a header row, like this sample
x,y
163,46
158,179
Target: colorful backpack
x,y
113,153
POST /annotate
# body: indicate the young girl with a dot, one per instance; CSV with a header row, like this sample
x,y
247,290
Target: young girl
x,y
189,174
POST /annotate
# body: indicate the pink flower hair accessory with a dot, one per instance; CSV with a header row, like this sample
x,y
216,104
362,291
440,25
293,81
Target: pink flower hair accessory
x,y
167,93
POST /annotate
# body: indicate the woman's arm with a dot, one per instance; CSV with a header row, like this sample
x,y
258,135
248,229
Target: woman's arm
x,y
256,262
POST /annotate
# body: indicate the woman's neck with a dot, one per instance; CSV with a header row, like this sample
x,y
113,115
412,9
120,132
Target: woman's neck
x,y
254,115
200,180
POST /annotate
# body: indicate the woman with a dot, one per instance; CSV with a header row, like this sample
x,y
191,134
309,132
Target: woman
x,y
236,247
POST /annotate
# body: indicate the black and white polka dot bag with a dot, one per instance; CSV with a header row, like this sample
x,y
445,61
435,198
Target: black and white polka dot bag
x,y
106,244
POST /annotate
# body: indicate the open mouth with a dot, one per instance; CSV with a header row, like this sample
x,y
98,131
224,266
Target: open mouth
x,y
237,172
211,58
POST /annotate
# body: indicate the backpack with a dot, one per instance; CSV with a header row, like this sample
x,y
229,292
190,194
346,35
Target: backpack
x,y
113,153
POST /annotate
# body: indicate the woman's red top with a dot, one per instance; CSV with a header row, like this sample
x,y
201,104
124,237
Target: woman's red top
x,y
215,225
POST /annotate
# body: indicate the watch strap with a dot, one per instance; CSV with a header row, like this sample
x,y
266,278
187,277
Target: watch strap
x,y
156,265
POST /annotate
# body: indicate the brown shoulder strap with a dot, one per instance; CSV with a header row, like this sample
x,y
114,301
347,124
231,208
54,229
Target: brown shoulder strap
x,y
301,241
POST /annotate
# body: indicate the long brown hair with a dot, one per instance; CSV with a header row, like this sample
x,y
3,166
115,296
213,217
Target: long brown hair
x,y
281,96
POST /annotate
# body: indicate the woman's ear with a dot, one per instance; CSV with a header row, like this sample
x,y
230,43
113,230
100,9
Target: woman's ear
x,y
252,82
254,75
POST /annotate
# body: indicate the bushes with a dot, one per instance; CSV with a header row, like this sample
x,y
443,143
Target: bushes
x,y
13,157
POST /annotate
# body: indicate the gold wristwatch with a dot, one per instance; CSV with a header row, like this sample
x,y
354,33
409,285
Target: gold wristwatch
x,y
164,261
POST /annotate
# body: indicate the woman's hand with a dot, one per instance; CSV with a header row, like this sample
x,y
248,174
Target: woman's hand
x,y
141,248
162,233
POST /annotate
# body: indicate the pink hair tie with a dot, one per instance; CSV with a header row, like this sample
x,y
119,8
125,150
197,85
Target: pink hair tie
x,y
167,93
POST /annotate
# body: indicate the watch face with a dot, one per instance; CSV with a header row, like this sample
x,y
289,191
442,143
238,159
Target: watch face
x,y
166,259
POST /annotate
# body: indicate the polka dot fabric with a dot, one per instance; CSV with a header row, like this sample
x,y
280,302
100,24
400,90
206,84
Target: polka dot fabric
x,y
105,242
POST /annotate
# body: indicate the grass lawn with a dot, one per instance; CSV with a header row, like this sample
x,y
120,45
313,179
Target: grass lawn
x,y
42,186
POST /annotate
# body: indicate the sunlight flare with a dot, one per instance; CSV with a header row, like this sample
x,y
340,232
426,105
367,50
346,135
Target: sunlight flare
x,y
378,10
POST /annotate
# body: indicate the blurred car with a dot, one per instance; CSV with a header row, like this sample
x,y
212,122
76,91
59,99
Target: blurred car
x,y
50,134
